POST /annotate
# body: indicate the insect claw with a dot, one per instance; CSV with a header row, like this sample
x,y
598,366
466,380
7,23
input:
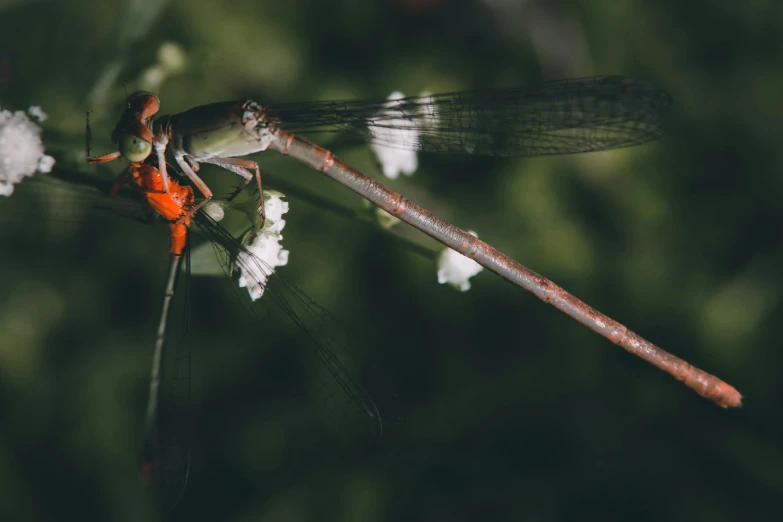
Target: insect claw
x,y
235,193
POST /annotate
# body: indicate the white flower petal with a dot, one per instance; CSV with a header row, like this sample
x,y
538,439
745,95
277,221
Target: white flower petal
x,y
274,208
45,164
405,132
456,269
37,113
21,150
214,210
264,245
395,161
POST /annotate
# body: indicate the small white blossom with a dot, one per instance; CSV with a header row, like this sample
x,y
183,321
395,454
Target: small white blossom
x,y
405,132
21,150
45,164
37,113
456,269
265,251
214,210
274,208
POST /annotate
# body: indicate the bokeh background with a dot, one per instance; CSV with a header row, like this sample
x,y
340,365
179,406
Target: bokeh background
x,y
504,409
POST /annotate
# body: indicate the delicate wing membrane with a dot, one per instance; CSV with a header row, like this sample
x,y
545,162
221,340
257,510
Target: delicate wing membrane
x,y
176,413
60,202
557,117
165,457
347,412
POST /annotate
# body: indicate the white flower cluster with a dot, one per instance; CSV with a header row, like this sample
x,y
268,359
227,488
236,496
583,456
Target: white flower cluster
x,y
21,149
264,251
456,269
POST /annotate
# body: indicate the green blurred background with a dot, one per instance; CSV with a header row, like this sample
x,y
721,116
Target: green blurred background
x,y
505,408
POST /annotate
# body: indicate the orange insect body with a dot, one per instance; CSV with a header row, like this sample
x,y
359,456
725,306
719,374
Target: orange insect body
x,y
173,205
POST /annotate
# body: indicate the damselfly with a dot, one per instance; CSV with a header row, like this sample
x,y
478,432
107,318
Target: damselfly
x,y
165,457
559,117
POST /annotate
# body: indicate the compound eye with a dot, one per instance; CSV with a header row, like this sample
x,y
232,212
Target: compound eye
x,y
144,103
134,149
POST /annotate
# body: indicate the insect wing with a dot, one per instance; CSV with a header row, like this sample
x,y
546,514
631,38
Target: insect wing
x,y
557,117
345,413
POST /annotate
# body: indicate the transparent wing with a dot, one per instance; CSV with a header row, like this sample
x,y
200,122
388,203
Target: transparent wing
x,y
176,413
166,453
64,202
557,117
346,413
165,459
345,409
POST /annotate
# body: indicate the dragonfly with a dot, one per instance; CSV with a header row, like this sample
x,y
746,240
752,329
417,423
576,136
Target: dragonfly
x,y
558,117
165,457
